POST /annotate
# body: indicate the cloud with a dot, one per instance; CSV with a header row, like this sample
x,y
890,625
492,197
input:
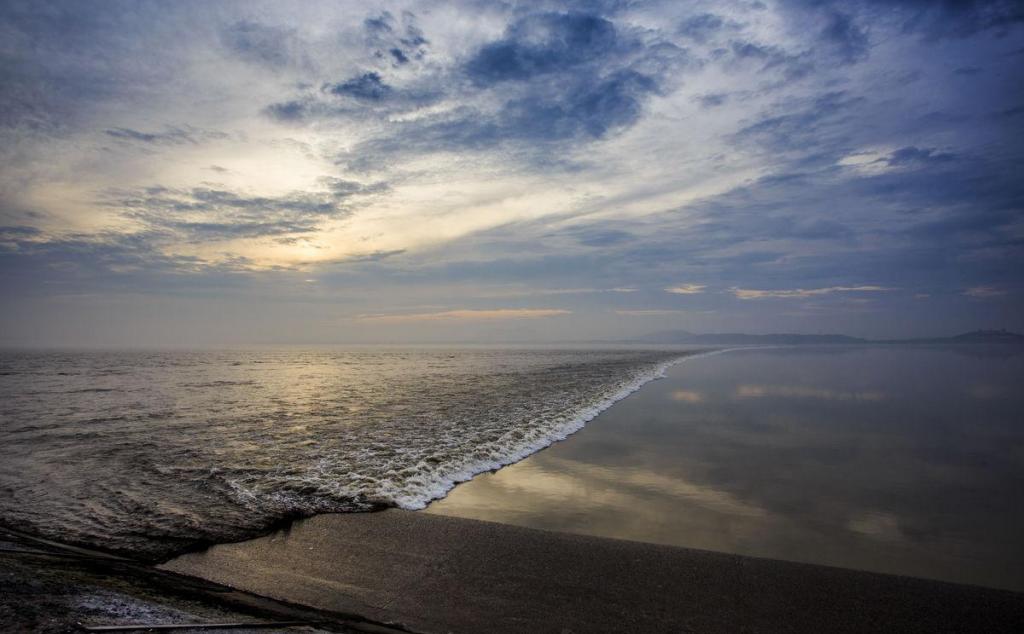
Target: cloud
x,y
587,110
712,100
845,36
552,78
650,312
34,263
366,95
964,18
911,155
170,136
603,237
747,293
686,289
765,57
368,86
932,20
984,292
267,45
804,126
702,27
546,43
204,214
468,315
875,161
400,42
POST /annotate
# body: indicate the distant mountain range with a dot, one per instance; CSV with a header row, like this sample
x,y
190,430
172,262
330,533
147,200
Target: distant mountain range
x,y
683,336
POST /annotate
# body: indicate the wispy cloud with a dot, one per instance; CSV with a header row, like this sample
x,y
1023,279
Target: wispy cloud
x,y
468,315
530,292
169,136
984,292
686,289
651,312
749,293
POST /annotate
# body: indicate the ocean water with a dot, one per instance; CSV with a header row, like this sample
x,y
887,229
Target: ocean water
x,y
897,459
152,453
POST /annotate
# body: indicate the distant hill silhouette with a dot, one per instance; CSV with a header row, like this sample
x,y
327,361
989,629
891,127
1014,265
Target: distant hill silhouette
x,y
683,336
975,336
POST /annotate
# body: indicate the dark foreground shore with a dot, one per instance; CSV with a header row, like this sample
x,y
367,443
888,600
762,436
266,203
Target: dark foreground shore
x,y
429,573
53,588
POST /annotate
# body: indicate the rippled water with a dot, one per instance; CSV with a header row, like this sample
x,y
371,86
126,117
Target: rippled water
x,y
151,453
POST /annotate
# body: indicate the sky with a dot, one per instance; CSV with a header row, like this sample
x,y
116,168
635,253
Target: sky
x,y
203,173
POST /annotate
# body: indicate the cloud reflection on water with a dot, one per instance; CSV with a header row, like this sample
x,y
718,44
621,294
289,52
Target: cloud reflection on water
x,y
804,391
877,458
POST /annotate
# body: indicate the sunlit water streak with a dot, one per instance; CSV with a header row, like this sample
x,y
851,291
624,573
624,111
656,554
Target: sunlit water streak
x,y
151,453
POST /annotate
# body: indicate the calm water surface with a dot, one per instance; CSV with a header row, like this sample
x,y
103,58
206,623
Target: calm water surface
x,y
904,460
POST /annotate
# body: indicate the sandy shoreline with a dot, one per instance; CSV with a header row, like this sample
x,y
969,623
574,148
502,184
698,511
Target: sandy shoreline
x,y
53,588
432,573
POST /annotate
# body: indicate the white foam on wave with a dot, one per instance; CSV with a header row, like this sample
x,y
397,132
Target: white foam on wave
x,y
440,483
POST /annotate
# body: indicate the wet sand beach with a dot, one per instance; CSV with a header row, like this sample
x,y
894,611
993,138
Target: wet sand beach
x,y
51,588
432,573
